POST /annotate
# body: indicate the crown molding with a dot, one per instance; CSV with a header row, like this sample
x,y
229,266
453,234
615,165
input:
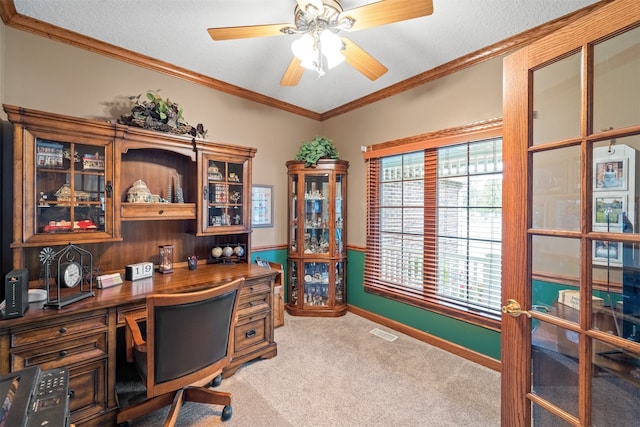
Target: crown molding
x,y
13,19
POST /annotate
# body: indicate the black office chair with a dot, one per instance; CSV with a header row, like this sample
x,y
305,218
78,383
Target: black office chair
x,y
189,340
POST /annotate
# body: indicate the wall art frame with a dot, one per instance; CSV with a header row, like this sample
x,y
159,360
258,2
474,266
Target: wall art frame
x,y
261,206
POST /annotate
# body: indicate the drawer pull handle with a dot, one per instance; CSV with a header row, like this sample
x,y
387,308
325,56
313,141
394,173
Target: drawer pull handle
x,y
251,289
161,211
62,353
63,330
250,334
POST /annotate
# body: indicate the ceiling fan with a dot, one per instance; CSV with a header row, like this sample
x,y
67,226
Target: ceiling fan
x,y
319,22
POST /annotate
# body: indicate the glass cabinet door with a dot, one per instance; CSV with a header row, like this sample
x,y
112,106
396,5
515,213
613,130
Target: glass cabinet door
x,y
293,213
340,281
316,284
293,283
340,213
316,214
224,194
70,187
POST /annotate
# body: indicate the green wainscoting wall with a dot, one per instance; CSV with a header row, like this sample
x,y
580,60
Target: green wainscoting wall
x,y
476,338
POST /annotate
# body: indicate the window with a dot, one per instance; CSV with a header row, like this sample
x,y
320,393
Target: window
x,y
434,225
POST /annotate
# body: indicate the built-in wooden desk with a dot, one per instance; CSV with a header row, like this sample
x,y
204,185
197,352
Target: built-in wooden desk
x,y
83,336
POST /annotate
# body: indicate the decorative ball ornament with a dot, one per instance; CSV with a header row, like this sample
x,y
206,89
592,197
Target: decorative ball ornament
x,y
216,252
227,251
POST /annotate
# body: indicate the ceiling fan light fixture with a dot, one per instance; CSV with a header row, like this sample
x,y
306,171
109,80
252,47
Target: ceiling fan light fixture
x,y
304,48
330,42
334,59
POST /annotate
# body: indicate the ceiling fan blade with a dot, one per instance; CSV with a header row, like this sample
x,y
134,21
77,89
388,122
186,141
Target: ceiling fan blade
x,y
388,11
229,33
293,74
362,61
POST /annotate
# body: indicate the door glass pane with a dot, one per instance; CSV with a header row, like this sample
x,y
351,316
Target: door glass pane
x,y
615,180
615,386
554,366
556,100
542,418
616,81
556,189
555,270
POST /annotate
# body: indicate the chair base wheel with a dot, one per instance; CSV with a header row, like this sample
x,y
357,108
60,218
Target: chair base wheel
x,y
226,413
216,381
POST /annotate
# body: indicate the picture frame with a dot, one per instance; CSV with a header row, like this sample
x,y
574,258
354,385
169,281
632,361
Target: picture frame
x,y
610,174
262,205
608,210
606,252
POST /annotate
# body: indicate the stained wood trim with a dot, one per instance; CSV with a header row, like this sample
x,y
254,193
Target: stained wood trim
x,y
268,248
492,51
13,19
456,349
472,132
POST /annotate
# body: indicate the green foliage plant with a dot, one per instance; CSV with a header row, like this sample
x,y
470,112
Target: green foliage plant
x,y
160,114
318,148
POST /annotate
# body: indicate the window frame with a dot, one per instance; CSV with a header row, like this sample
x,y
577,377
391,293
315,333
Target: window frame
x,y
428,143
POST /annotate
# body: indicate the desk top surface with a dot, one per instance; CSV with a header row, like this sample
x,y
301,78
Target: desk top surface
x,y
131,293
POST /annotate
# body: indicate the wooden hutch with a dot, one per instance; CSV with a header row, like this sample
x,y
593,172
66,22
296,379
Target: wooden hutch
x,y
72,183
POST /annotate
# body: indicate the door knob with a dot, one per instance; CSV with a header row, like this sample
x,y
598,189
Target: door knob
x,y
513,309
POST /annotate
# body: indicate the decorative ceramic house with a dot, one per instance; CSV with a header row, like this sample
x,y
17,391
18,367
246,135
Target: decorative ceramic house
x,y
139,193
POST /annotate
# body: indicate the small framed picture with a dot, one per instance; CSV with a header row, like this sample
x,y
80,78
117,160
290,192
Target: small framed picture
x,y
610,175
262,205
606,252
608,211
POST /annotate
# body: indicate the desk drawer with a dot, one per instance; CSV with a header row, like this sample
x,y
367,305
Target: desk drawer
x,y
254,288
253,304
251,333
61,352
46,334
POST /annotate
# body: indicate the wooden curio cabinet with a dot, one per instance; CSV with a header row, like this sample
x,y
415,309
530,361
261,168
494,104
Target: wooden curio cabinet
x,y
317,238
63,180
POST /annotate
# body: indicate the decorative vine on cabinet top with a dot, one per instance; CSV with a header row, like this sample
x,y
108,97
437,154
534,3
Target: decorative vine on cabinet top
x,y
72,176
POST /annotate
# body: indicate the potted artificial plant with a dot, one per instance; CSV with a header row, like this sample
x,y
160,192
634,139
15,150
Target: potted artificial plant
x,y
318,148
159,114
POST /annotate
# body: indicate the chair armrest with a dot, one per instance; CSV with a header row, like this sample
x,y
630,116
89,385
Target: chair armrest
x,y
133,338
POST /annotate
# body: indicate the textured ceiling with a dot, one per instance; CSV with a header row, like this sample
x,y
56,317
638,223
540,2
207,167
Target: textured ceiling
x,y
175,31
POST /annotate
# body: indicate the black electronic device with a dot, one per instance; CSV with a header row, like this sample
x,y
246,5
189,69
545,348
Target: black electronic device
x,y
33,397
16,291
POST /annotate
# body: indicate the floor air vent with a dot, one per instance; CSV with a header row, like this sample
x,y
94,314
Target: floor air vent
x,y
382,334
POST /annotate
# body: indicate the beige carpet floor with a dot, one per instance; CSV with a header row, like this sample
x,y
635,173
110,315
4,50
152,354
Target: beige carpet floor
x,y
333,372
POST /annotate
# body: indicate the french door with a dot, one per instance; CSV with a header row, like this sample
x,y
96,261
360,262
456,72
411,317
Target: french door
x,y
571,236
